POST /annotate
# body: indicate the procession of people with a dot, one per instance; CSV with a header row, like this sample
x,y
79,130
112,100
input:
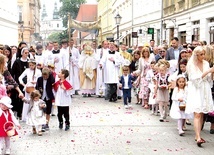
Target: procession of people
x,y
170,80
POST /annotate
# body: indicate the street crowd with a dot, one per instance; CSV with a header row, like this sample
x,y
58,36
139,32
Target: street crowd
x,y
170,80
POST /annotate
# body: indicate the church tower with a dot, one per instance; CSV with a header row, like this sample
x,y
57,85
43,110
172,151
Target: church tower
x,y
44,13
55,12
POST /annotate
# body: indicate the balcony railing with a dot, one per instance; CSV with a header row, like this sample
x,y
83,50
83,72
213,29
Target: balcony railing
x,y
195,2
181,5
169,10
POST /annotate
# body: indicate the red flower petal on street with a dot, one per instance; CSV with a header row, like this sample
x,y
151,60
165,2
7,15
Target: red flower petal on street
x,y
128,141
72,141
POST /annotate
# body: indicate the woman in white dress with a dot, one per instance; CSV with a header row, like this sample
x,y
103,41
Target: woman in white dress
x,y
32,74
199,98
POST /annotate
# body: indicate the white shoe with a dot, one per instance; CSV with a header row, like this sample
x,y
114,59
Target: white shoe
x,y
126,106
7,152
129,104
181,132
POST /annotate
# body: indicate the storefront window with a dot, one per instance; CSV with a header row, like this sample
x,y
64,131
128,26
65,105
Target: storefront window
x,y
196,30
211,30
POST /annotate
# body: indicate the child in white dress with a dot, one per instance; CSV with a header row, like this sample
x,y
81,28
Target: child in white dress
x,y
32,74
150,77
35,116
179,102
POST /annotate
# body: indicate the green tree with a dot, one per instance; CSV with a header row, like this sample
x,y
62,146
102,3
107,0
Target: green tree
x,y
55,36
58,36
71,6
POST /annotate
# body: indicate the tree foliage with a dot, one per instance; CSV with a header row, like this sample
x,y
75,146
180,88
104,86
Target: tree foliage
x,y
71,6
58,36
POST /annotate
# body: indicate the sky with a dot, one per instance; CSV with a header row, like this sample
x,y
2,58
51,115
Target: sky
x,y
50,5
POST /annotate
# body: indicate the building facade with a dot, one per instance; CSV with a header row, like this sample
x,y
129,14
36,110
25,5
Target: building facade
x,y
137,16
104,8
188,20
29,21
8,22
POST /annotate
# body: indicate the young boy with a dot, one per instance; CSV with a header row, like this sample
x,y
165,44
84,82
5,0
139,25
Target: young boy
x,y
62,98
126,81
44,85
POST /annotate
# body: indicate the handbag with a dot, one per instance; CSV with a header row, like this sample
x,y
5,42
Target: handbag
x,y
30,89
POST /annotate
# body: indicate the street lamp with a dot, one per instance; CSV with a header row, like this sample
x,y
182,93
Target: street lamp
x,y
21,23
22,30
117,21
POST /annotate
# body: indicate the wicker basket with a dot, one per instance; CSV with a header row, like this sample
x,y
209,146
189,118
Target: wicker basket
x,y
182,107
30,89
9,128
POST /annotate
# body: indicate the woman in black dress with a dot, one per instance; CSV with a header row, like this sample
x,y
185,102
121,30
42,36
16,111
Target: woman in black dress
x,y
17,69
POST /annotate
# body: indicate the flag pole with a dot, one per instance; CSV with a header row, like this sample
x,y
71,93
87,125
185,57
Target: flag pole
x,y
69,40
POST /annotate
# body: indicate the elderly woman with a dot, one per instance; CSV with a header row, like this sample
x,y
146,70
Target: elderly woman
x,y
199,98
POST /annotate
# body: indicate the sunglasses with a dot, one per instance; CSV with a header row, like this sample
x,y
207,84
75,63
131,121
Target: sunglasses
x,y
162,51
200,54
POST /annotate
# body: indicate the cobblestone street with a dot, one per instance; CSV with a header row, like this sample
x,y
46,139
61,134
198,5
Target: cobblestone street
x,y
100,127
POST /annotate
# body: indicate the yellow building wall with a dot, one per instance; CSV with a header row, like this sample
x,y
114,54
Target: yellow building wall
x,y
30,9
105,12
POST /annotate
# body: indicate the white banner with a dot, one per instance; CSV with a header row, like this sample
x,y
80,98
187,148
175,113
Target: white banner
x,y
85,26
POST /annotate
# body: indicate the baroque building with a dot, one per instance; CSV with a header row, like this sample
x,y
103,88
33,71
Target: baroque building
x,y
29,21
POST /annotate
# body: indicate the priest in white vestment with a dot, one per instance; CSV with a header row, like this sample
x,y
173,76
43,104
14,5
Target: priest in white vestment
x,y
110,63
72,58
87,65
100,85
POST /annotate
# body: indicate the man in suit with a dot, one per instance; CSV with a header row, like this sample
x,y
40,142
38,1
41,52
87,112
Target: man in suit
x,y
44,85
174,51
152,46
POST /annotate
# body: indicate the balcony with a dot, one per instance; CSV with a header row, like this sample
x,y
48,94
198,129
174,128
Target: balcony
x,y
195,2
169,10
181,5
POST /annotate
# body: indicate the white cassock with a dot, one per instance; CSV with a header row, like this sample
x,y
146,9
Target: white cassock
x,y
59,62
71,64
39,59
48,58
111,69
100,85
